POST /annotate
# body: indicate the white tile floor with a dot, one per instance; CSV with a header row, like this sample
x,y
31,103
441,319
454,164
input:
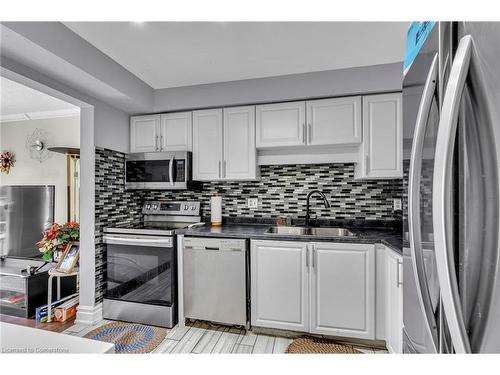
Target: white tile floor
x,y
201,337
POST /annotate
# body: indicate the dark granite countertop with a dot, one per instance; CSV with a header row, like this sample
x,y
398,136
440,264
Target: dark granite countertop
x,y
385,235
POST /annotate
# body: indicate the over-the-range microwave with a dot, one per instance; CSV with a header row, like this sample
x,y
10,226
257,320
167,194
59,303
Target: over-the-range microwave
x,y
159,171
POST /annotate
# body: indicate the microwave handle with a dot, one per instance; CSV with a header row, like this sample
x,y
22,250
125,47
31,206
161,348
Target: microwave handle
x,y
171,170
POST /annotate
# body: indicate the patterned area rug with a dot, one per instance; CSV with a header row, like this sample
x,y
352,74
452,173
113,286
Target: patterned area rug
x,y
129,338
315,345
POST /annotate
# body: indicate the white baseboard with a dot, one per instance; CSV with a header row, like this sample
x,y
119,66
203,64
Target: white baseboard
x,y
89,315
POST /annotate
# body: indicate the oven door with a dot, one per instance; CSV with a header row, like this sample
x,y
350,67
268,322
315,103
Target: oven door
x,y
141,269
157,170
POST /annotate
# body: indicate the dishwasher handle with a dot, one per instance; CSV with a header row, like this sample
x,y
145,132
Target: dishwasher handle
x,y
201,248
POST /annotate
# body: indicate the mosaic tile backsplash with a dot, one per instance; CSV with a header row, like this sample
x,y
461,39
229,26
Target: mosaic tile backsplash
x,y
113,205
282,190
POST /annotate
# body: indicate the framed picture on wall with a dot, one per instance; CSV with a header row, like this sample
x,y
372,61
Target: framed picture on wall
x,y
69,258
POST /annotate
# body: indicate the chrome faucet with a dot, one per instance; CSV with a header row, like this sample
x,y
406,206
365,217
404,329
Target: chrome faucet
x,y
311,193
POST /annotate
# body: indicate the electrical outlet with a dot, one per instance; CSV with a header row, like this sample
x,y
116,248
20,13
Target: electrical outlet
x,y
252,202
397,204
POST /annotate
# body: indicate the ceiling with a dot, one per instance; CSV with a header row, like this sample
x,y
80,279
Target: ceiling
x,y
173,54
19,102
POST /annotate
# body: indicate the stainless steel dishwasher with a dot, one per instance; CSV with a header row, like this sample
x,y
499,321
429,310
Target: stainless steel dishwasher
x,y
215,279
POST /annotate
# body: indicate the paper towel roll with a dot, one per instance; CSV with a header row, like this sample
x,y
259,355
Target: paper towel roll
x,y
216,210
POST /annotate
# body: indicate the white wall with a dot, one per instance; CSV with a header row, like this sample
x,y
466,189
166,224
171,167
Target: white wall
x,y
27,171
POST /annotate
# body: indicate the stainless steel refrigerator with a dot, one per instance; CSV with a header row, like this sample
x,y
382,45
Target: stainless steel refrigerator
x,y
451,107
25,212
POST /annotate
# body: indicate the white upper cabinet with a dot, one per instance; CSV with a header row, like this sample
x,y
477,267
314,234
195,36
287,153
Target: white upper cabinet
x,y
207,145
334,121
224,144
382,137
280,285
322,122
145,133
281,124
176,131
240,159
343,290
166,132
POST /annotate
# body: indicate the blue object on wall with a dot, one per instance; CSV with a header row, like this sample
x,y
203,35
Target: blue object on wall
x,y
415,39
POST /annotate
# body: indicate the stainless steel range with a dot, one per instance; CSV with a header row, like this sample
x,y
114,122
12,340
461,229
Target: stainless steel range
x,y
141,281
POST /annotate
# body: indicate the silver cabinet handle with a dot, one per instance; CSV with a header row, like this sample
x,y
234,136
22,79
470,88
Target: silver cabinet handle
x,y
399,280
313,256
367,160
171,171
309,133
414,176
307,256
156,143
161,142
304,139
220,168
441,207
224,169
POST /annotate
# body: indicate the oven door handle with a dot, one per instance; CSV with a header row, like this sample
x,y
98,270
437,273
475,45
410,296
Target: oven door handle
x,y
157,242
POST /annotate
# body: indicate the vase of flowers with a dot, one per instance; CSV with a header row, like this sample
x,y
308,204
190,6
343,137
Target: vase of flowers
x,y
7,160
56,238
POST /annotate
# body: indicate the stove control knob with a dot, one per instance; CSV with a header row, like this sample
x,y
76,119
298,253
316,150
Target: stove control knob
x,y
193,208
148,206
186,207
155,207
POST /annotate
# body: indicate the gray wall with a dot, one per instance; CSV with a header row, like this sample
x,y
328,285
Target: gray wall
x,y
111,128
341,82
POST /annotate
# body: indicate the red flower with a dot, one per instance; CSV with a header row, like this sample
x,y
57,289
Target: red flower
x,y
57,237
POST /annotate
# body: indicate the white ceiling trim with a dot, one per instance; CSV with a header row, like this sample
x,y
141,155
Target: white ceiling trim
x,y
40,115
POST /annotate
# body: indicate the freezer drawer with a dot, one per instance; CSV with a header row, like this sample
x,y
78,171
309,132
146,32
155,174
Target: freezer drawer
x,y
215,287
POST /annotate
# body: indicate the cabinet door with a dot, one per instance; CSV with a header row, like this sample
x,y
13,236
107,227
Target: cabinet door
x,y
343,290
240,160
280,287
207,145
280,124
334,121
176,131
382,136
394,303
144,133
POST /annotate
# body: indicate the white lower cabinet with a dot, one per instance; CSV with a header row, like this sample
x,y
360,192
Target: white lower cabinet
x,y
343,290
323,288
280,285
394,302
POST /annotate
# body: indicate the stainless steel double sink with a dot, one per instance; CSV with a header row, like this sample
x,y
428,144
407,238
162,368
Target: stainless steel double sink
x,y
311,231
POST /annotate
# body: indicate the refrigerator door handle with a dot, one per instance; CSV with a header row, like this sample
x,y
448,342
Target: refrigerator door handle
x,y
414,176
441,207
